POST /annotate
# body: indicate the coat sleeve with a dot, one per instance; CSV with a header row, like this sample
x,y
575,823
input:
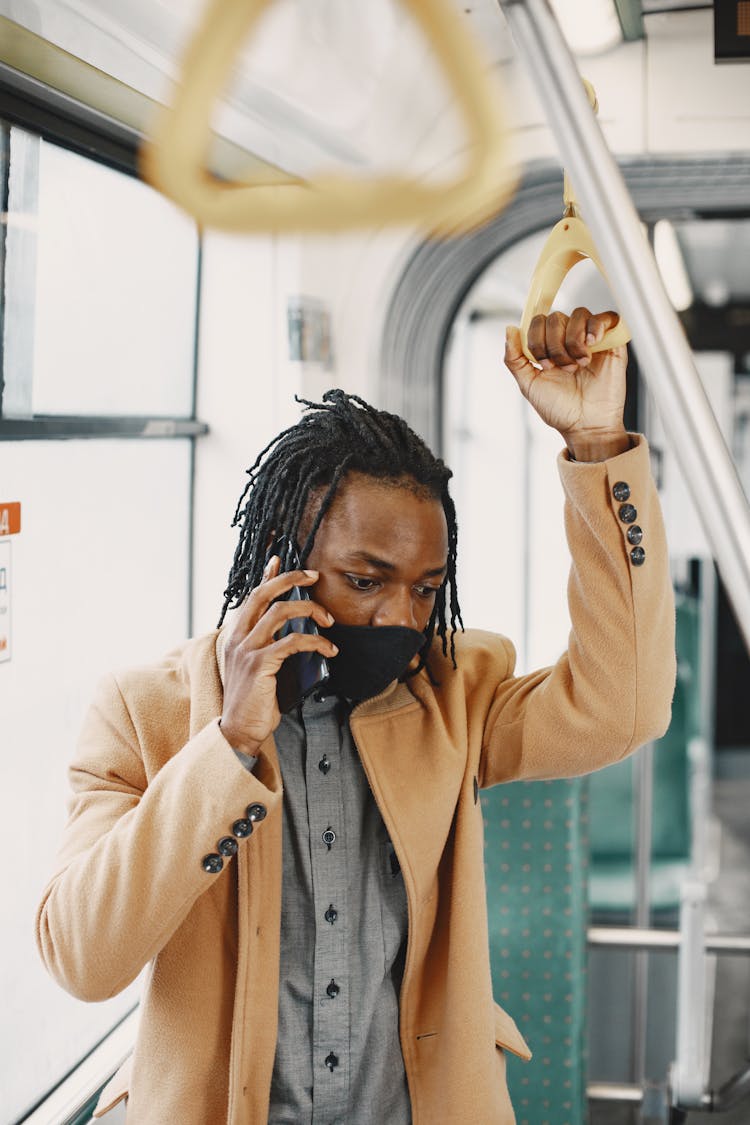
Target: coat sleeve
x,y
611,691
131,860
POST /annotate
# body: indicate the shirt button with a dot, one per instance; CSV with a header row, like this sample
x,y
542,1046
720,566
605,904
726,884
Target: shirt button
x,y
638,556
621,491
329,837
212,864
627,513
635,534
331,914
324,765
332,1061
333,989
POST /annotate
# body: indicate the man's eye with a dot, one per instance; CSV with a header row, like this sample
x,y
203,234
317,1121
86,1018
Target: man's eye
x,y
361,583
427,591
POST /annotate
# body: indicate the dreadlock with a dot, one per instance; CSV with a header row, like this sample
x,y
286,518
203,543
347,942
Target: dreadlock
x,y
342,434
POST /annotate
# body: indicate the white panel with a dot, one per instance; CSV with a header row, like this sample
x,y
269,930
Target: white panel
x,y
617,77
484,426
115,293
100,577
549,619
693,104
684,529
245,394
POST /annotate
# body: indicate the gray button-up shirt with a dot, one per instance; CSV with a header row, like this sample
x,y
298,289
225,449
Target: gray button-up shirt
x,y
343,935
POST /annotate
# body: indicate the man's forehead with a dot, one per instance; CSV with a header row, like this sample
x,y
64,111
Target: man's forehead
x,y
385,523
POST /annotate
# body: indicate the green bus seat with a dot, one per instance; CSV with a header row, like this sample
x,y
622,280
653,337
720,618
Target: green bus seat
x,y
536,854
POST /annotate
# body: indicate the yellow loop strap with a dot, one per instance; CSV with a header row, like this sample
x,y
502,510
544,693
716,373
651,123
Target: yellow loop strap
x,y
175,159
569,242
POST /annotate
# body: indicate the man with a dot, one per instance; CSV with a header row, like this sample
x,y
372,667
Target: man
x,y
309,889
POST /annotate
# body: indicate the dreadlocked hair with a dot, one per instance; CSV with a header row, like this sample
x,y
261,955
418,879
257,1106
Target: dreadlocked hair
x,y
340,435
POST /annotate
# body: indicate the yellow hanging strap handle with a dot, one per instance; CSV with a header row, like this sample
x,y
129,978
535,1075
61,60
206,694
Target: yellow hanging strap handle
x,y
569,242
175,159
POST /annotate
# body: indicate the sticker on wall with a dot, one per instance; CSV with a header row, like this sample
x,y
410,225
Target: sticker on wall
x,y
10,518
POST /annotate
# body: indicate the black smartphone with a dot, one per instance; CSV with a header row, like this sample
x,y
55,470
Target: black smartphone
x,y
302,672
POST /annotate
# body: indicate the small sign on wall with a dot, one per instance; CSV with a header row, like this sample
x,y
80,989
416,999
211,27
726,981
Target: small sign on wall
x,y
309,331
10,524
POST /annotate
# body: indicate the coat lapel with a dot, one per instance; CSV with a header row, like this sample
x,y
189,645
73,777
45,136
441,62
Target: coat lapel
x,y
415,771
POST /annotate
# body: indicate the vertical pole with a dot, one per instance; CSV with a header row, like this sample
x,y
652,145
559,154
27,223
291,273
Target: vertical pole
x,y
663,351
643,776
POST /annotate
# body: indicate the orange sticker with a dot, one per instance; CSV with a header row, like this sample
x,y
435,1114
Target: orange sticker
x,y
10,518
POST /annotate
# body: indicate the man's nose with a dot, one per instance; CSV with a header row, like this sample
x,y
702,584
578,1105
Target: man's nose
x,y
396,608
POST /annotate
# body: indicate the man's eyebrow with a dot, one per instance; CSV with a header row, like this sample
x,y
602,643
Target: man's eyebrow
x,y
383,564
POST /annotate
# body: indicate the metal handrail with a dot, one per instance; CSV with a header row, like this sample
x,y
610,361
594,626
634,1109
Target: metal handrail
x,y
663,350
658,941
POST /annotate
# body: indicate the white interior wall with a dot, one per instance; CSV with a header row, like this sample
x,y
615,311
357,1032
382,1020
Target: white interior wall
x,y
246,388
684,529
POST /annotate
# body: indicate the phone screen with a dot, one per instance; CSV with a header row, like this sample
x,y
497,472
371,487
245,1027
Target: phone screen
x,y
302,672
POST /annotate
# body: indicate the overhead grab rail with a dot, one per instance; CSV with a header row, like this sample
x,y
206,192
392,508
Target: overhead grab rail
x,y
175,159
569,243
663,350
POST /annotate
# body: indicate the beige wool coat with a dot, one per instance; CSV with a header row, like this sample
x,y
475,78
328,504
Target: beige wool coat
x,y
155,785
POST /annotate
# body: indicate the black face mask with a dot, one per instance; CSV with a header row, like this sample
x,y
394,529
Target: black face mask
x,y
369,657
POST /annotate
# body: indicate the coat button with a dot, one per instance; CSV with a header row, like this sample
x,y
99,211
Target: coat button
x,y
331,914
242,828
227,845
627,513
333,989
635,534
329,837
212,863
332,1061
324,765
638,556
621,491
255,812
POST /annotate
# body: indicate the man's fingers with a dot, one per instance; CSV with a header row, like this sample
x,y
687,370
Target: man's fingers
x,y
517,363
301,642
576,336
277,615
536,339
556,335
272,568
276,585
272,585
557,340
598,324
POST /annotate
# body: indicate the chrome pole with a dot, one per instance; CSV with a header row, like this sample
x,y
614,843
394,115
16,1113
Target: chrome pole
x,y
663,351
643,792
627,937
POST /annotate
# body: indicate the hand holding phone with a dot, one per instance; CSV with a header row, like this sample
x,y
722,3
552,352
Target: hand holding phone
x,y
259,644
302,672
